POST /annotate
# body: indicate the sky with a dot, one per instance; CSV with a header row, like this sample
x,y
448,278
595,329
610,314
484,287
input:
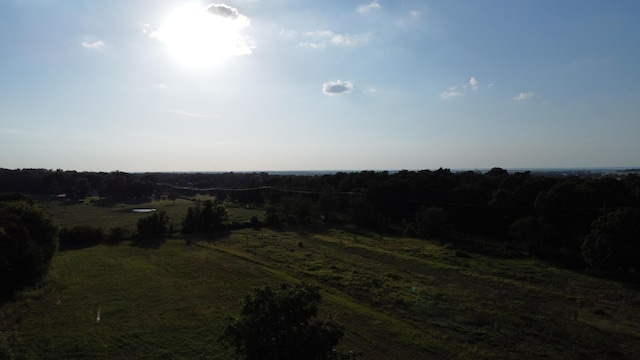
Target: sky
x,y
260,85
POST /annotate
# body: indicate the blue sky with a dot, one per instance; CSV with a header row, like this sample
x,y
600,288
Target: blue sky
x,y
253,85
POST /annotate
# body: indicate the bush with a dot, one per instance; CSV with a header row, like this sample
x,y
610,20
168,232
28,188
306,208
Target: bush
x,y
28,241
208,218
116,235
80,236
154,226
275,325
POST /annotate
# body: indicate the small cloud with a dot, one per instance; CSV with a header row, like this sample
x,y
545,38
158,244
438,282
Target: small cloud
x,y
368,7
473,82
288,34
226,11
370,91
523,96
93,45
350,40
338,39
337,87
451,93
414,14
312,45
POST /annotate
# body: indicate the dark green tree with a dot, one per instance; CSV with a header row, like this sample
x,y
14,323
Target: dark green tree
x,y
213,215
328,204
613,245
28,241
278,324
206,218
173,196
154,226
81,187
433,222
362,212
533,233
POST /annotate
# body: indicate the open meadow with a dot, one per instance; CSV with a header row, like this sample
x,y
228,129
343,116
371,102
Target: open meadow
x,y
398,297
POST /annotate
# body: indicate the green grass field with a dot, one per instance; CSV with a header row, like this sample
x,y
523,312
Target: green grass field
x,y
398,297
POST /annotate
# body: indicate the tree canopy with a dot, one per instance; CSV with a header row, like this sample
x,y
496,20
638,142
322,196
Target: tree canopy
x,y
28,241
276,324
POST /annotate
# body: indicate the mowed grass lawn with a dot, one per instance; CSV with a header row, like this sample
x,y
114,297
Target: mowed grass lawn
x,y
398,297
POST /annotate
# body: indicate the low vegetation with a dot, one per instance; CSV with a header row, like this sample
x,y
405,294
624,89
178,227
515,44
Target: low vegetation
x,y
170,283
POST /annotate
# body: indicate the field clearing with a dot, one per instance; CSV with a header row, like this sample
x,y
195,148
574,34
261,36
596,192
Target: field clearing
x,y
398,297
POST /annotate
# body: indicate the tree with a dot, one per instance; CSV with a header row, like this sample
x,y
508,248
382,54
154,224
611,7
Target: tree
x,y
613,245
533,233
276,325
173,196
82,187
154,226
208,218
433,222
28,241
213,215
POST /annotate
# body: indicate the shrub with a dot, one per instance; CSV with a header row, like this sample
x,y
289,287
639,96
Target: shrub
x,y
80,236
154,226
275,324
116,235
28,241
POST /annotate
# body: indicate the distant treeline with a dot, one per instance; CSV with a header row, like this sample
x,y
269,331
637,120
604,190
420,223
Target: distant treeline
x,y
543,214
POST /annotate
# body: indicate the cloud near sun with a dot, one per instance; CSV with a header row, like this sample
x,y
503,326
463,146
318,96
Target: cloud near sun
x,y
202,36
337,87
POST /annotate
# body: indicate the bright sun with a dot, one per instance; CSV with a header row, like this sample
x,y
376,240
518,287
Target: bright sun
x,y
204,36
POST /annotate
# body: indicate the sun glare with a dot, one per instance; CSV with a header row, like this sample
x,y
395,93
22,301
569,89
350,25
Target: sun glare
x,y
204,36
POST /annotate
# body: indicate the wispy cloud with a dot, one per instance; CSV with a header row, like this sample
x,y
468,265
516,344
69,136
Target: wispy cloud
x,y
451,93
191,114
313,45
98,44
524,96
338,87
288,33
460,89
320,38
368,7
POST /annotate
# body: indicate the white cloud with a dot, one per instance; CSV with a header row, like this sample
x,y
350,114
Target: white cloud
x,y
160,87
322,36
460,89
337,87
451,93
313,45
473,82
523,96
414,13
98,44
287,33
368,7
